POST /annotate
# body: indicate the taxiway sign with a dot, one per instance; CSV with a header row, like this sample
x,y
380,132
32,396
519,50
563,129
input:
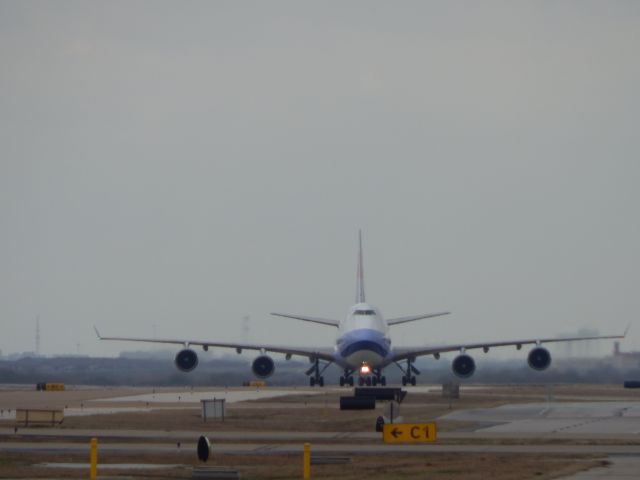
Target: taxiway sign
x,y
409,432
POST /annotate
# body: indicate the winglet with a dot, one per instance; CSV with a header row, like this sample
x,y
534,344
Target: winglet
x,y
97,332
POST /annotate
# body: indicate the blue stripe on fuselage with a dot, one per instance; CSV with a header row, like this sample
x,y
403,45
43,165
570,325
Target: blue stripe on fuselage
x,y
363,339
363,345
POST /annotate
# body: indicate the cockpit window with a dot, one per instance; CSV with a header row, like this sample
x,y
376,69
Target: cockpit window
x,y
364,312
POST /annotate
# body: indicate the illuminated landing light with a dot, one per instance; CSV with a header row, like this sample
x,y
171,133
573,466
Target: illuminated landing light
x,y
365,369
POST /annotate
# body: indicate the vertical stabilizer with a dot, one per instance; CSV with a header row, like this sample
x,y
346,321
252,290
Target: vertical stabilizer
x,y
360,276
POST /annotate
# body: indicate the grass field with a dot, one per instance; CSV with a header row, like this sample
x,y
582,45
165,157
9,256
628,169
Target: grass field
x,y
316,413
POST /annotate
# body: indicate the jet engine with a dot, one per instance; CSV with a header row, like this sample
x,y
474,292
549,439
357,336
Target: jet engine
x,y
263,366
463,366
186,360
539,358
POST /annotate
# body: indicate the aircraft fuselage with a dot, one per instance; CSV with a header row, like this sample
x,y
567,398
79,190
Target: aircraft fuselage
x,y
363,339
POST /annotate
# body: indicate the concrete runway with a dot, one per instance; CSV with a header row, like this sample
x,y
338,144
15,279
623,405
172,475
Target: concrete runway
x,y
189,448
589,418
579,421
234,395
219,435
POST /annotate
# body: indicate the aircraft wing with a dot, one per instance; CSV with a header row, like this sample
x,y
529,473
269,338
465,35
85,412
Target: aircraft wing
x,y
404,353
323,321
396,321
309,352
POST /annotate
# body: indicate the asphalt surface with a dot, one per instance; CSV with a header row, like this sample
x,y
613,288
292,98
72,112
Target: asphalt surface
x,y
189,448
217,434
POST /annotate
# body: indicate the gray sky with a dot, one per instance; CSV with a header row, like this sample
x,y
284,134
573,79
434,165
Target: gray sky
x,y
183,164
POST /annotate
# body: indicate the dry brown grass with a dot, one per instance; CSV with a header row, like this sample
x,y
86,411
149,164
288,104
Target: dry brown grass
x,y
282,467
320,413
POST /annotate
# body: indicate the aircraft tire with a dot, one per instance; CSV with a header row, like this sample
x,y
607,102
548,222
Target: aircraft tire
x,y
360,381
351,381
321,381
312,381
383,381
413,381
342,381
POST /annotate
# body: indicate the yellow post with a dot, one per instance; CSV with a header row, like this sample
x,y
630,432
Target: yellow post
x,y
93,472
307,462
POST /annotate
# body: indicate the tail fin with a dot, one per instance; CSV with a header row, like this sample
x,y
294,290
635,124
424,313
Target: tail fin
x,y
360,275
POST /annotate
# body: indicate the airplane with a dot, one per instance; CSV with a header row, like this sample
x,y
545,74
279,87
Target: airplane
x,y
363,346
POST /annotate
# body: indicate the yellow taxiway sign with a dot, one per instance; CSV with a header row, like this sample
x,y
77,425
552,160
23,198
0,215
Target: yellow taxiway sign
x,y
409,432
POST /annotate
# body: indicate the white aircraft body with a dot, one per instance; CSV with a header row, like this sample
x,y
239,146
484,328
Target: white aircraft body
x,y
363,346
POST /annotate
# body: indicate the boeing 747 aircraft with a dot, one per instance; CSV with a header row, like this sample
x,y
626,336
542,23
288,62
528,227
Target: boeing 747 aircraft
x,y
363,347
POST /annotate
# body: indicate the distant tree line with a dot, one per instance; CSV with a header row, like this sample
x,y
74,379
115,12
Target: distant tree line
x,y
234,371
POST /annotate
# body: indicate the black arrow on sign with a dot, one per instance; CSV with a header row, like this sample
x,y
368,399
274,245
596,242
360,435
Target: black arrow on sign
x,y
396,433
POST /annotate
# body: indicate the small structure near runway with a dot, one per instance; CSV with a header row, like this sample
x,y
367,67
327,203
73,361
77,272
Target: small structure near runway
x,y
210,473
50,387
217,473
39,417
357,403
451,390
365,398
213,409
381,393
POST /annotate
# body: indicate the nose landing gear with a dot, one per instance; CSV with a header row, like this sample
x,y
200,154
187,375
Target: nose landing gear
x,y
373,380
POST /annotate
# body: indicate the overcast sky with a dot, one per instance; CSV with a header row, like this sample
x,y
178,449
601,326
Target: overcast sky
x,y
167,168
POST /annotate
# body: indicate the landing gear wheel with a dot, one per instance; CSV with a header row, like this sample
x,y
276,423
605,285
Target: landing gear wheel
x,y
351,381
408,378
383,381
342,381
321,381
374,381
360,381
317,378
368,381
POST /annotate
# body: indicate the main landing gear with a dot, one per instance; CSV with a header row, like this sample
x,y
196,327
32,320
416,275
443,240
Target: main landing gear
x,y
408,378
316,380
315,373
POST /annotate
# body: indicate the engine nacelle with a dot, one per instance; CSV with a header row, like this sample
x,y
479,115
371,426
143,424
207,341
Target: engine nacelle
x,y
186,360
539,358
463,366
263,366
